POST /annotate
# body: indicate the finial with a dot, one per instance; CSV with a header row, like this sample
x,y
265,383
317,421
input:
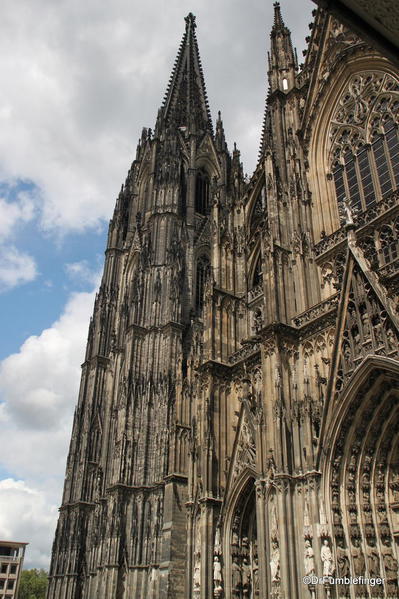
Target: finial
x,y
278,20
190,20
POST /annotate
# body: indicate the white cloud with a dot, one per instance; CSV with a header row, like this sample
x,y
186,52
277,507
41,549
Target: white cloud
x,y
80,272
83,80
39,388
26,516
13,213
16,268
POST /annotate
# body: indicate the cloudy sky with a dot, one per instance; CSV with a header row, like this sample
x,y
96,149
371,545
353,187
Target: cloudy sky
x,y
79,81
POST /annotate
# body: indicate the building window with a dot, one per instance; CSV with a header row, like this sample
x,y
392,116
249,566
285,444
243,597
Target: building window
x,y
364,139
389,244
4,568
10,585
13,569
371,172
257,275
258,212
2,584
202,273
392,141
202,193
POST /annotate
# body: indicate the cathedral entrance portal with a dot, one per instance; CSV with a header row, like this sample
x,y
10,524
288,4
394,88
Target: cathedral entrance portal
x,y
244,546
363,486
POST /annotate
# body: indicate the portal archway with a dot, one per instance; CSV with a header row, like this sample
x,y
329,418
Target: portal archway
x,y
362,481
241,547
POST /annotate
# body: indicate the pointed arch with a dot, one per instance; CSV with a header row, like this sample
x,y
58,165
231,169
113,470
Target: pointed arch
x,y
202,196
255,274
202,272
256,209
342,161
360,470
237,524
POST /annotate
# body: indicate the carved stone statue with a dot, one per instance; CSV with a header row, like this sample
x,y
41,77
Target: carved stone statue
x,y
346,212
246,577
275,562
197,579
390,562
374,563
327,559
309,559
255,572
359,562
342,560
217,577
236,577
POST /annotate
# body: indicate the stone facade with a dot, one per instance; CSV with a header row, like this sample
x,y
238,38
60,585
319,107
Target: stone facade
x,y
237,423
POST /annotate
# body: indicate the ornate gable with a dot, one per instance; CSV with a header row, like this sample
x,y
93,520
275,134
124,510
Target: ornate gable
x,y
204,234
330,45
244,450
367,324
206,150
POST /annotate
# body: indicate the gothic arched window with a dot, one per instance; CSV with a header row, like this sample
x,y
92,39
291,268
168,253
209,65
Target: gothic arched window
x,y
258,212
202,273
257,274
365,142
388,237
202,193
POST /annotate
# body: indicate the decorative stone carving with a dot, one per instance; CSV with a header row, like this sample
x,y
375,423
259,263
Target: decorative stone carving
x,y
275,562
343,568
245,454
309,559
236,578
326,559
217,578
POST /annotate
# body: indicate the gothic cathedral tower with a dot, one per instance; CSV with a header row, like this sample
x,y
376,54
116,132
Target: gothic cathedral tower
x,y
238,416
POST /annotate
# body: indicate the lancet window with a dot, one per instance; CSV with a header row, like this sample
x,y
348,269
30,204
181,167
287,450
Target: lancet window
x,y
365,141
202,273
389,242
258,212
257,273
202,193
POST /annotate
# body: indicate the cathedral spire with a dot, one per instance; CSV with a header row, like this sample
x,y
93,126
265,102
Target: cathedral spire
x,y
282,59
278,19
185,104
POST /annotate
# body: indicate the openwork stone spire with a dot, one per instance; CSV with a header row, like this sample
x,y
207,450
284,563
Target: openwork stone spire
x,y
282,59
185,103
278,19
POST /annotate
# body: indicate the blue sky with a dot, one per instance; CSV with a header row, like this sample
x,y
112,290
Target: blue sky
x,y
79,83
29,308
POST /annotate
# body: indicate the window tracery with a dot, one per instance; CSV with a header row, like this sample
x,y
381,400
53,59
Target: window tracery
x,y
202,273
258,212
257,273
364,153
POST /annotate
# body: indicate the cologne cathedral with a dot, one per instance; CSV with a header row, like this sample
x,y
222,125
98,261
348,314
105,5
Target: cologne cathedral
x,y
237,429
